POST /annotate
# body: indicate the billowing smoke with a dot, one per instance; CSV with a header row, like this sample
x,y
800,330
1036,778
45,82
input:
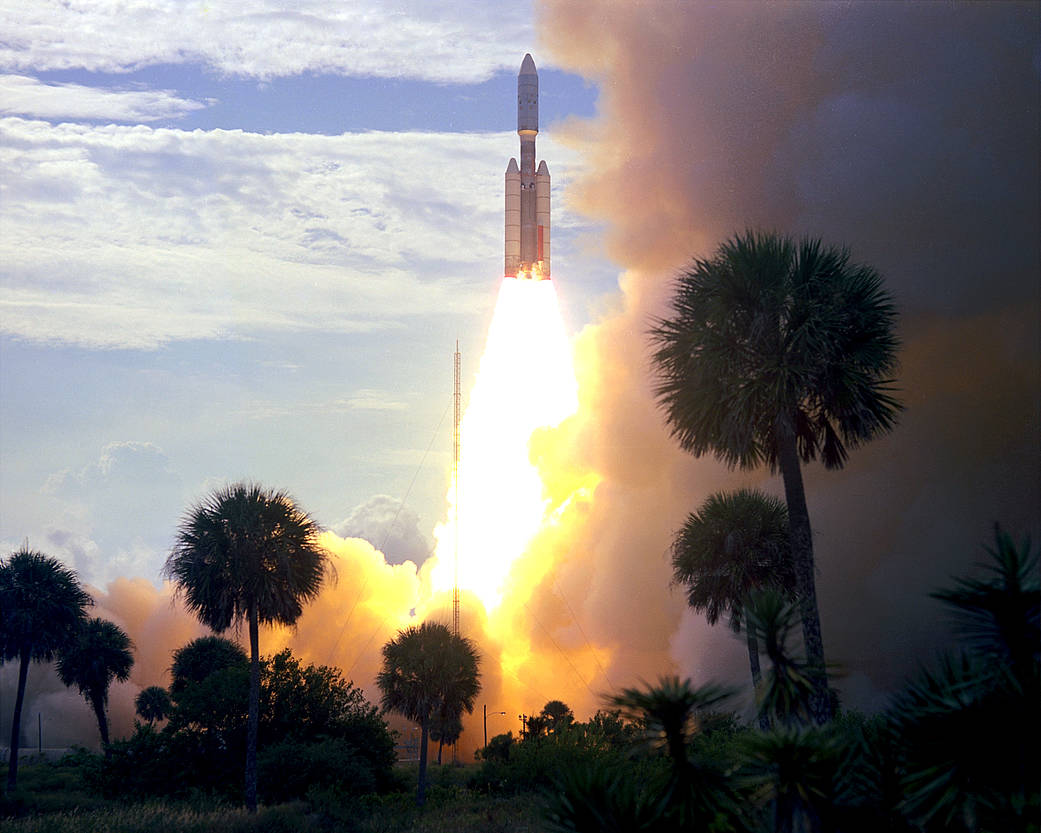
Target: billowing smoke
x,y
908,133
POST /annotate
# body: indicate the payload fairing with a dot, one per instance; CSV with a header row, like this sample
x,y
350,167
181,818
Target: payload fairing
x,y
527,189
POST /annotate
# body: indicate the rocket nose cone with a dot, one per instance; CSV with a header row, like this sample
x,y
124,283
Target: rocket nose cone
x,y
528,66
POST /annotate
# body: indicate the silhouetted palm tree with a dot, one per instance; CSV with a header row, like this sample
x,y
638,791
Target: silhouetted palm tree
x,y
41,606
734,544
698,788
968,726
557,714
428,670
793,771
153,703
998,616
247,554
779,352
100,653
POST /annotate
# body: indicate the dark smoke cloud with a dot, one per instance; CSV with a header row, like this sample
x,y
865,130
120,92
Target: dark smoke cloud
x,y
908,132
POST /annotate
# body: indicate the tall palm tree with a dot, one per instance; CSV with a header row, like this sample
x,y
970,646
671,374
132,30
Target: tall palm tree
x,y
734,544
779,352
41,606
247,554
427,670
100,653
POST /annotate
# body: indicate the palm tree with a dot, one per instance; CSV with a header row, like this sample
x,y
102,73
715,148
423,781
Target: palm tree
x,y
735,543
153,703
427,670
41,606
778,352
247,554
558,715
698,789
787,692
999,616
793,771
100,653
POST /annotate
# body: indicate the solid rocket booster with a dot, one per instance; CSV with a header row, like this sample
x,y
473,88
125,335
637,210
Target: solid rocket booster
x,y
527,189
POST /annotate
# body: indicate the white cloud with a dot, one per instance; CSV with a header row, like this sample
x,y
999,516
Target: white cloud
x,y
129,236
445,42
390,526
21,95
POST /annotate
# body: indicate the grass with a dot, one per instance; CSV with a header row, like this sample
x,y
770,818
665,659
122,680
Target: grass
x,y
52,798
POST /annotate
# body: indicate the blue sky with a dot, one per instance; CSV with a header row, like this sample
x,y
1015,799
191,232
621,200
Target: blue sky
x,y
242,244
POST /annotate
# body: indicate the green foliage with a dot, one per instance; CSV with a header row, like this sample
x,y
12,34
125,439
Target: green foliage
x,y
771,331
669,710
249,555
197,660
498,748
786,690
243,548
735,543
99,653
309,715
288,770
153,703
600,798
793,772
428,672
557,715
42,606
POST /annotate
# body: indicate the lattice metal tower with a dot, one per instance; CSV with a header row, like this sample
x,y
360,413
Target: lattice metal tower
x,y
455,481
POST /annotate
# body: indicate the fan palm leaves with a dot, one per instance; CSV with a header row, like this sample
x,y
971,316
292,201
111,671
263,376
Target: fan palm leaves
x,y
779,352
735,543
99,653
247,554
42,605
428,672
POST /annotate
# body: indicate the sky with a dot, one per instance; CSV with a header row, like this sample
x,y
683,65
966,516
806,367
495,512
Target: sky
x,y
239,241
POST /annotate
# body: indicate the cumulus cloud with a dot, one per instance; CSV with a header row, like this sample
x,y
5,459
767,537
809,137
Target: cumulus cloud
x,y
25,96
110,510
459,42
120,236
390,526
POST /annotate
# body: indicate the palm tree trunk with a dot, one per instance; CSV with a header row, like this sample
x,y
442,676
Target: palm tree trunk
x,y
16,721
757,674
440,747
99,713
802,556
421,792
253,720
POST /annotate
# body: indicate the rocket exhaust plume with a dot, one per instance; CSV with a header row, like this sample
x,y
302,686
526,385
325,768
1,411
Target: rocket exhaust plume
x,y
525,382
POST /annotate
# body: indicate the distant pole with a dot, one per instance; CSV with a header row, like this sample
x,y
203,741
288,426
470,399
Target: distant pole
x,y
485,725
39,733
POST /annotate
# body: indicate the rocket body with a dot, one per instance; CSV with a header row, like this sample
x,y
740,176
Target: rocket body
x,y
527,189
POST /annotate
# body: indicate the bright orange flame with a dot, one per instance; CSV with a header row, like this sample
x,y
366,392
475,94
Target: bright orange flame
x,y
526,381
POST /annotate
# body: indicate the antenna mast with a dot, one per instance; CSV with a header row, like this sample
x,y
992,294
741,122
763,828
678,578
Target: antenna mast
x,y
455,480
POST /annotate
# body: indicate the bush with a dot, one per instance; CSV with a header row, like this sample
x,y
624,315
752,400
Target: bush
x,y
288,770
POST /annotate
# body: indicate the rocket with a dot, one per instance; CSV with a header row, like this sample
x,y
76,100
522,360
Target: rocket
x,y
527,189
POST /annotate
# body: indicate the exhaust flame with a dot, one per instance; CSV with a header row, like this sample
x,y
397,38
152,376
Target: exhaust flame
x,y
526,381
